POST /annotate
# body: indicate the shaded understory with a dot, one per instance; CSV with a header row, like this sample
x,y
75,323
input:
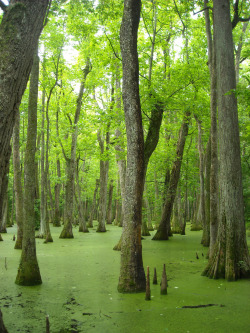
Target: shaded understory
x,y
79,290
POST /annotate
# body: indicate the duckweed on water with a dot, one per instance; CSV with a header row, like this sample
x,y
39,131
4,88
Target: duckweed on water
x,y
79,290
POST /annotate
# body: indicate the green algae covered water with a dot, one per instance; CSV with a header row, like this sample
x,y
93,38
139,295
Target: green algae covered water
x,y
79,290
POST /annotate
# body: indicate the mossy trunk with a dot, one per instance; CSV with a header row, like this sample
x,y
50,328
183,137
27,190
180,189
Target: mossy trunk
x,y
230,256
28,271
18,183
104,169
164,229
20,28
57,215
110,196
71,162
93,208
132,275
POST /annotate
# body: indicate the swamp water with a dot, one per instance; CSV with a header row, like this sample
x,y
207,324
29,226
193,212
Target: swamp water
x,y
79,290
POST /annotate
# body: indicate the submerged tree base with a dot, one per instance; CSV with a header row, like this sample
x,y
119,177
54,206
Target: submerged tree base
x,y
101,229
83,229
161,235
28,274
48,239
144,230
220,267
66,234
18,244
118,246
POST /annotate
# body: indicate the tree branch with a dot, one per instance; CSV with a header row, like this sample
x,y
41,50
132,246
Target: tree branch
x,y
237,18
3,6
202,10
112,47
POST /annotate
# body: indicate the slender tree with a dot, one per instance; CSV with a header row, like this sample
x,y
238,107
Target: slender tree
x,y
28,271
18,183
132,275
71,162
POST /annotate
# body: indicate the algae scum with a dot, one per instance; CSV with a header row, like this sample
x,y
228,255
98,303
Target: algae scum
x,y
79,290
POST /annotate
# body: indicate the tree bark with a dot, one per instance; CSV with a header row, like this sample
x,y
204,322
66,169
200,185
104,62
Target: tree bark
x,y
104,169
18,182
214,187
163,229
28,271
132,275
109,213
230,256
93,207
20,28
69,199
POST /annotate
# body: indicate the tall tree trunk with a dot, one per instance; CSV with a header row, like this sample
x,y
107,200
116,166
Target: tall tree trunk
x,y
57,215
230,256
42,230
3,202
163,229
207,164
69,199
214,188
18,182
81,210
109,213
132,275
20,28
202,215
93,207
104,168
28,271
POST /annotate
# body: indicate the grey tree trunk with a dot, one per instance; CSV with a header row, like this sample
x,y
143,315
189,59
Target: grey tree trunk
x,y
202,215
164,227
230,256
20,28
110,197
57,215
132,275
28,271
93,208
104,169
80,204
42,230
71,163
214,187
18,182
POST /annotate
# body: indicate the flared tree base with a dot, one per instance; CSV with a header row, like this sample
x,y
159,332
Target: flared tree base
x,y
161,235
28,274
195,227
48,239
129,286
230,269
118,246
66,234
144,230
1,239
83,229
101,228
18,244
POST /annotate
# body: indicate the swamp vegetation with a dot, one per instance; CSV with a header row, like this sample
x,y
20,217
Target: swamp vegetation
x,y
131,114
79,290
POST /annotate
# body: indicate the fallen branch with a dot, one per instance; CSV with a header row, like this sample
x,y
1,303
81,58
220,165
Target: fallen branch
x,y
200,306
